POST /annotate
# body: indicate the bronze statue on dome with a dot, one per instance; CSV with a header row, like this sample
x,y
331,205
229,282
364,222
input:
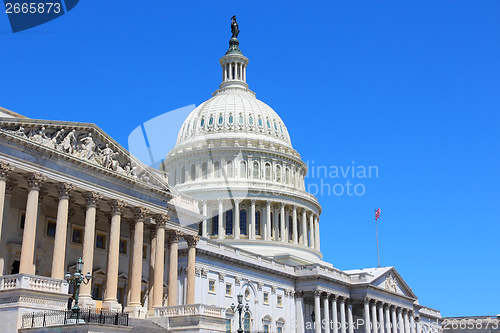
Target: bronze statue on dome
x,y
234,27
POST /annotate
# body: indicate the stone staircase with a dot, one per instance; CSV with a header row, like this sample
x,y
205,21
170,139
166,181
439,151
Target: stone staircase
x,y
145,326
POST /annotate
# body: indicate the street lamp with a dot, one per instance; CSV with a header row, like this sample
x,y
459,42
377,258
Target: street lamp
x,y
240,309
77,280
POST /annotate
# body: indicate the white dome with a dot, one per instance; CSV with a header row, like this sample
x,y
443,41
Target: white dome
x,y
234,114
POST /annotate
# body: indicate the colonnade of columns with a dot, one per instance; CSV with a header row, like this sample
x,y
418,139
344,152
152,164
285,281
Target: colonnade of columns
x,y
378,316
274,221
234,71
93,200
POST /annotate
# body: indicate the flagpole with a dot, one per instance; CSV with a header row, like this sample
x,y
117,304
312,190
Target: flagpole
x,y
378,253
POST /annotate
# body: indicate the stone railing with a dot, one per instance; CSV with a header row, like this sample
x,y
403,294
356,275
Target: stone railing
x,y
33,282
189,310
315,269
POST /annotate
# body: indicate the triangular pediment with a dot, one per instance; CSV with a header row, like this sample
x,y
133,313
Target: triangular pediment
x,y
390,280
83,143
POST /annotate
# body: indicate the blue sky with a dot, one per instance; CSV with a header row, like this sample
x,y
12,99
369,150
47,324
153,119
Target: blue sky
x,y
411,87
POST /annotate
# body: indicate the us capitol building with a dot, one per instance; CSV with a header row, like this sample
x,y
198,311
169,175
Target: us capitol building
x,y
227,214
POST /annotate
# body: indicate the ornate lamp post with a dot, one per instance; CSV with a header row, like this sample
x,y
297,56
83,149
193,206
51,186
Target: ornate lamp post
x,y
240,309
77,280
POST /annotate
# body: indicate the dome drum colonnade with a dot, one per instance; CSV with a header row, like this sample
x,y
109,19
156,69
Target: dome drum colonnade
x,y
234,154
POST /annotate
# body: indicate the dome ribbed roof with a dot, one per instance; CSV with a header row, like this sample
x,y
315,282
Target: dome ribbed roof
x,y
234,114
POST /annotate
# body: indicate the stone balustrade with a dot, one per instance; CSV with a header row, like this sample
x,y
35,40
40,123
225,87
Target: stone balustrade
x,y
189,310
33,282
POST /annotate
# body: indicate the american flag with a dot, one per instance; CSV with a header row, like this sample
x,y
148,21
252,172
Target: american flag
x,y
377,214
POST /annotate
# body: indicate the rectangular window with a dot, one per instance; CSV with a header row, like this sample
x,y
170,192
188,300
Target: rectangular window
x,y
229,289
100,241
145,252
280,329
280,301
51,228
266,328
211,286
22,220
266,298
123,246
77,235
96,291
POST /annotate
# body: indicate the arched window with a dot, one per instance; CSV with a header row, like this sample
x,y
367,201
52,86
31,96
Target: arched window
x,y
287,176
231,119
241,120
280,325
216,169
229,222
202,122
268,171
290,228
243,169
229,169
260,122
183,175
243,222
211,121
221,120
246,323
193,172
255,170
250,120
204,170
215,222
278,173
257,222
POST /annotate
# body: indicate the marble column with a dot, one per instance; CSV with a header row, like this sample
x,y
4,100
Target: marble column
x,y
312,242
401,324
299,312
406,321
173,238
342,315
316,233
380,307
350,319
282,223
191,278
5,170
335,321
251,226
387,318
412,323
267,227
236,219
366,314
221,233
326,310
88,245
275,224
374,316
9,187
294,223
317,308
59,252
394,321
152,260
159,268
110,300
136,274
35,180
204,230
130,261
303,224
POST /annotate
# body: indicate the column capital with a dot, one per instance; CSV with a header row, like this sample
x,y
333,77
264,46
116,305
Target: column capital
x,y
253,201
65,189
91,197
386,305
366,300
398,309
299,294
140,214
152,231
10,184
222,276
117,206
35,180
317,293
282,205
325,294
192,240
5,170
237,201
294,207
174,236
342,299
334,297
161,220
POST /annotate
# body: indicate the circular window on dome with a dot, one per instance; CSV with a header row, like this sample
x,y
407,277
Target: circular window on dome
x,y
211,121
202,122
221,120
250,120
260,122
240,120
247,294
231,119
